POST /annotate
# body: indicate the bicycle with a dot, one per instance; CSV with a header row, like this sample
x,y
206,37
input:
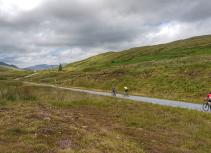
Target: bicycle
x,y
206,106
114,94
126,93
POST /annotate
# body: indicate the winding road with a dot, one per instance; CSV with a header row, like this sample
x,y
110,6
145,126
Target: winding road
x,y
164,102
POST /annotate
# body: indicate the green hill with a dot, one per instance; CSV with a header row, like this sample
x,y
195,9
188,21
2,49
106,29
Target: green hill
x,y
180,70
182,48
9,72
8,65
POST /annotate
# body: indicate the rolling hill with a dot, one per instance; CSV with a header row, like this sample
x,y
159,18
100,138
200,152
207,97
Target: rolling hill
x,y
42,119
179,70
2,64
8,72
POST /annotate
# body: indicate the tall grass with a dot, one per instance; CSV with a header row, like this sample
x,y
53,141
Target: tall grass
x,y
45,119
12,90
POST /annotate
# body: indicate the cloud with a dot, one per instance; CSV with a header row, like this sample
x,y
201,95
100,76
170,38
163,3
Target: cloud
x,y
64,31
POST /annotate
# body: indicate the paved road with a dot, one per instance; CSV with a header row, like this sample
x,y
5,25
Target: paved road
x,y
164,102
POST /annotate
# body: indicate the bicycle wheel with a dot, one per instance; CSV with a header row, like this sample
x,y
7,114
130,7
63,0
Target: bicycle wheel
x,y
206,107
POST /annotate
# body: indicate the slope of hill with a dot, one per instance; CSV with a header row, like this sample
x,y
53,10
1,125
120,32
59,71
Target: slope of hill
x,y
179,70
177,49
41,67
8,72
2,64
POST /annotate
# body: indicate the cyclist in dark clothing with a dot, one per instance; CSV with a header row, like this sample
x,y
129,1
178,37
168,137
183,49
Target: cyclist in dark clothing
x,y
114,91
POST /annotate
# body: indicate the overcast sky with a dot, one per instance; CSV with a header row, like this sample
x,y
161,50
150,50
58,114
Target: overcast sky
x,y
62,31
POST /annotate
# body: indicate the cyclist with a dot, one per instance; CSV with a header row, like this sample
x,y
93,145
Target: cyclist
x,y
207,106
114,91
126,91
209,98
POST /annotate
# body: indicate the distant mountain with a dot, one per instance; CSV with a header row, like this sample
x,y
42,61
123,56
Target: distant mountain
x,y
40,67
8,65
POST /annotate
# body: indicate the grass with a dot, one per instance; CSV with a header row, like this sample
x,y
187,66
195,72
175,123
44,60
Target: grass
x,y
44,119
7,73
179,70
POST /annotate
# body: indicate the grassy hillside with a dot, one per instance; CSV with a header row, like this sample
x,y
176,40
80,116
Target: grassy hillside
x,y
179,70
183,48
7,73
8,65
42,120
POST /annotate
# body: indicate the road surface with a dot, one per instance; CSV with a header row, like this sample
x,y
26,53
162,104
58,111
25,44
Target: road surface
x,y
163,102
28,76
